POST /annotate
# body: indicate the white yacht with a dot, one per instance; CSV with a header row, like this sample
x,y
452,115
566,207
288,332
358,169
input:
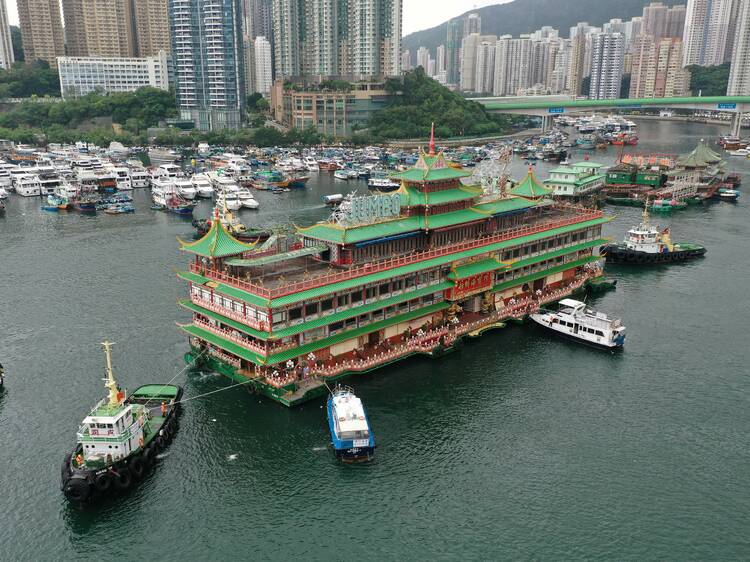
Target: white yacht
x,y
162,190
139,178
225,183
3,193
311,164
66,191
229,199
185,188
202,185
574,320
247,199
382,184
122,176
5,178
167,171
28,185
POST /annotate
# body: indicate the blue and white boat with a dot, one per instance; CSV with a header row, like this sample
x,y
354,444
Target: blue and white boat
x,y
352,437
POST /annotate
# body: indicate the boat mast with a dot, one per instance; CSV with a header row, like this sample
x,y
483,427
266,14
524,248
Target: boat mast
x,y
115,398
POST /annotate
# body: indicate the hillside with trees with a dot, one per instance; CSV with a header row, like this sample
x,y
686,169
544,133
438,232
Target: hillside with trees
x,y
26,80
525,16
709,80
423,101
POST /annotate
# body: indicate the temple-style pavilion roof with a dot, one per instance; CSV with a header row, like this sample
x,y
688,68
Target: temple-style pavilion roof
x,y
531,188
701,157
217,243
431,167
412,197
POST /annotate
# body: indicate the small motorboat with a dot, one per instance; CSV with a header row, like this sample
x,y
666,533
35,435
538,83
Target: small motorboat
x,y
246,199
351,434
731,195
3,193
120,209
341,175
574,320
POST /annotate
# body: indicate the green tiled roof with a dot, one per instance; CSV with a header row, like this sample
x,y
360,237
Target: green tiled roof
x,y
530,187
416,175
274,258
474,268
412,197
700,157
586,165
216,243
539,274
430,168
387,274
350,235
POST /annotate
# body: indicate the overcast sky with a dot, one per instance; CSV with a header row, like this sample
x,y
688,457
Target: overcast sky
x,y
418,14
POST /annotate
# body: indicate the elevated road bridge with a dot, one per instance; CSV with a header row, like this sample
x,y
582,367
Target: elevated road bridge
x,y
547,107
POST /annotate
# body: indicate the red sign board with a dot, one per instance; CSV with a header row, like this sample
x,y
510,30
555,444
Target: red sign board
x,y
470,286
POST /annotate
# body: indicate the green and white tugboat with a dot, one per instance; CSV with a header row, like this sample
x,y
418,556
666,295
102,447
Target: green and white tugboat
x,y
119,439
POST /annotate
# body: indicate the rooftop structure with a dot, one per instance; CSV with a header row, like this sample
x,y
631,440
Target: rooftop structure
x,y
576,180
387,276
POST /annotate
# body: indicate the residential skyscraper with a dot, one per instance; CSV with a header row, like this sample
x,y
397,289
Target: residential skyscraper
x,y
676,21
287,37
6,44
263,65
440,59
102,28
577,59
657,70
151,24
739,75
655,20
472,24
485,69
469,47
208,61
423,57
321,37
41,28
608,50
709,29
374,38
453,51
512,65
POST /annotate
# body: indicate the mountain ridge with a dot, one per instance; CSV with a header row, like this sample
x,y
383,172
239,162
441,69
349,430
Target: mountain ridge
x,y
526,16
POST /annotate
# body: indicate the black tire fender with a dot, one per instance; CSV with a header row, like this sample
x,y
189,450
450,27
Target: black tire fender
x,y
123,478
77,490
103,482
137,467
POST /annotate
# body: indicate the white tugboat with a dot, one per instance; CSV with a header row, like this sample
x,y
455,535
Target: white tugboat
x,y
574,320
647,243
119,439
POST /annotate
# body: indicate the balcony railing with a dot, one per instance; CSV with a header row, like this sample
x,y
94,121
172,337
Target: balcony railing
x,y
582,215
230,335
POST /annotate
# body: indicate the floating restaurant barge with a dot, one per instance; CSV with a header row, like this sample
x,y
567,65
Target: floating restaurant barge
x,y
388,276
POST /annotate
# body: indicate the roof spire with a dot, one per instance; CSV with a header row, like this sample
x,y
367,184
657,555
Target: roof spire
x,y
432,140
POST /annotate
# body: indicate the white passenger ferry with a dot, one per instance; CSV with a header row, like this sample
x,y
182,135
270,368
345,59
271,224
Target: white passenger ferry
x,y
574,320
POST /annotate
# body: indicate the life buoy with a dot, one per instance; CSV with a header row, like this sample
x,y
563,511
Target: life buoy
x,y
137,467
103,482
123,479
77,490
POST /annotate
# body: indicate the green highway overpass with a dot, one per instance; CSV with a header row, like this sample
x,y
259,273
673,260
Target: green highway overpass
x,y
548,107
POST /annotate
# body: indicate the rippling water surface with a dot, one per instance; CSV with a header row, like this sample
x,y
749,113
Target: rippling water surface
x,y
519,446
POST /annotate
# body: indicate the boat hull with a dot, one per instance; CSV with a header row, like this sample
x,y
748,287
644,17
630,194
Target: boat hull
x,y
614,253
536,318
346,450
86,486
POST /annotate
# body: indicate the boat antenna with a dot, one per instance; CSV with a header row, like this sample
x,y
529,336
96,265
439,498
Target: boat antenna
x,y
645,212
115,396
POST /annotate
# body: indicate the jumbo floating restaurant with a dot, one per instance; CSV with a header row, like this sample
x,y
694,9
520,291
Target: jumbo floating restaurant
x,y
387,277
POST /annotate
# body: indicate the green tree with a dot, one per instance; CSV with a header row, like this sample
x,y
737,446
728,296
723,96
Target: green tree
x,y
709,80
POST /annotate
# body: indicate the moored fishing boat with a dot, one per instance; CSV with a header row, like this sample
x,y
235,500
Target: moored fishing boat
x,y
351,434
119,439
728,194
573,320
647,244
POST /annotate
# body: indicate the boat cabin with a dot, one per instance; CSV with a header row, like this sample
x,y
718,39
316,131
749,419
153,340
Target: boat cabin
x,y
108,434
350,421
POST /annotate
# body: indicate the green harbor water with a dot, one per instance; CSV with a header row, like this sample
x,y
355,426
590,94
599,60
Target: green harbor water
x,y
520,446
